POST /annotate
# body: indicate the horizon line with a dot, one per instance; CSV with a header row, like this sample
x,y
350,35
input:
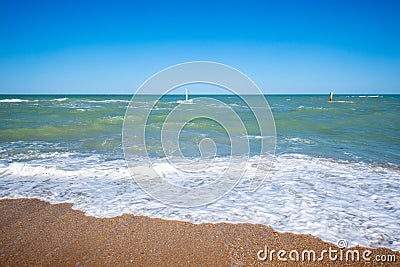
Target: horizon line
x,y
126,94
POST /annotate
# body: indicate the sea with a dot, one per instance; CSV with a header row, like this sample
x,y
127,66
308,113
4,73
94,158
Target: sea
x,y
335,172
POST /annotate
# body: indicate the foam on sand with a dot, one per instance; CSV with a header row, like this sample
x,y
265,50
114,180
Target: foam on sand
x,y
331,199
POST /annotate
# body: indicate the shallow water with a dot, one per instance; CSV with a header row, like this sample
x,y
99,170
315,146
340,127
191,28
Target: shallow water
x,y
335,175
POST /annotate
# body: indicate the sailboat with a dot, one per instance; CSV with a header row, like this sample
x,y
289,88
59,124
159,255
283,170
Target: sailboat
x,y
187,100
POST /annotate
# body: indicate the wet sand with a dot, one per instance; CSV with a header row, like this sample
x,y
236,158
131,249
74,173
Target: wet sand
x,y
36,233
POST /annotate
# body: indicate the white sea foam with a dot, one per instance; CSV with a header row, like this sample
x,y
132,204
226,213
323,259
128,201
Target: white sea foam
x,y
32,154
236,105
256,136
190,101
302,107
370,96
60,99
343,101
300,140
13,100
328,198
109,101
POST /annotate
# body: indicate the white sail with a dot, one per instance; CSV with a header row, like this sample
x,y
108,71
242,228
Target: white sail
x,y
187,100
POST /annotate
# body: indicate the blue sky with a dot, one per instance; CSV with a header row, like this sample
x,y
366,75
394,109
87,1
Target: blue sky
x,y
292,47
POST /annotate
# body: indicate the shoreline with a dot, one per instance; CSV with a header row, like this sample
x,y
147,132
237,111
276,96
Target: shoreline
x,y
34,232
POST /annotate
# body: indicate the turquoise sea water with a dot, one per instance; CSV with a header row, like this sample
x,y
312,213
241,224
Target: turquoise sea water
x,y
355,128
336,172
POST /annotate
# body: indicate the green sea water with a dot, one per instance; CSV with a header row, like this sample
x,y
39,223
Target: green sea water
x,y
335,174
353,127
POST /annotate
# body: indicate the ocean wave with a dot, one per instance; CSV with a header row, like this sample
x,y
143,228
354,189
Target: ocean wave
x,y
300,140
370,96
13,100
190,101
17,100
343,101
36,154
59,99
258,136
316,108
109,101
24,169
329,198
112,119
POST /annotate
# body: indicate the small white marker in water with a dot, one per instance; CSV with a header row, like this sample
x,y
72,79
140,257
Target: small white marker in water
x,y
187,95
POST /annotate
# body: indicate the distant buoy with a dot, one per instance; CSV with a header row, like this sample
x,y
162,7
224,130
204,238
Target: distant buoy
x,y
330,96
187,95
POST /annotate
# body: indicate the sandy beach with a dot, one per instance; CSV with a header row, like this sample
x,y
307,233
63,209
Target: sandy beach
x,y
36,233
188,133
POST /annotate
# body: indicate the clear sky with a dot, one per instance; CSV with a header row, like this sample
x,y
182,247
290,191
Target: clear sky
x,y
290,47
